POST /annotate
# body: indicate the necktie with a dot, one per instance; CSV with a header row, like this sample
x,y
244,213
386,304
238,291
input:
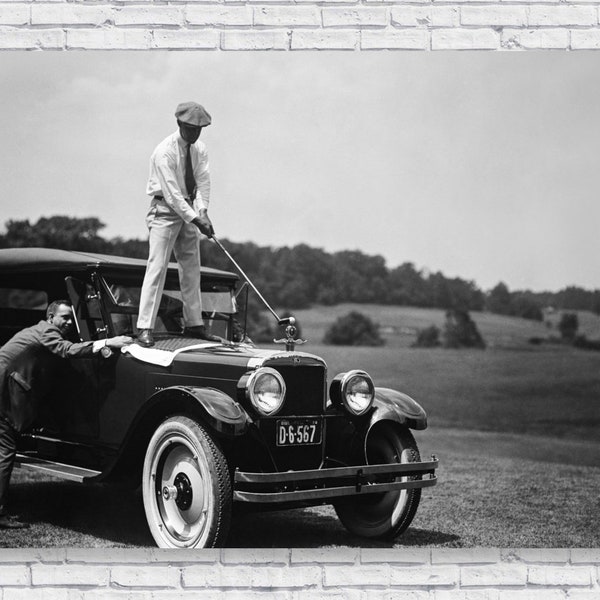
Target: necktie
x,y
190,183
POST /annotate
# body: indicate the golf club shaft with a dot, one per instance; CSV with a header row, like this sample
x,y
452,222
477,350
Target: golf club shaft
x,y
245,277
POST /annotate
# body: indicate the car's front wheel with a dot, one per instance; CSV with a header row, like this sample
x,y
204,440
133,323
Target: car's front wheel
x,y
186,486
388,514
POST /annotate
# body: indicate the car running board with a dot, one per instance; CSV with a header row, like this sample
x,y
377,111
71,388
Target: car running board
x,y
49,467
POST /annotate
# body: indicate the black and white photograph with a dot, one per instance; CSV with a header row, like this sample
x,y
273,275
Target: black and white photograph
x,y
318,300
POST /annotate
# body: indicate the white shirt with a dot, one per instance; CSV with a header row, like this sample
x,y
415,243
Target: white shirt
x,y
167,175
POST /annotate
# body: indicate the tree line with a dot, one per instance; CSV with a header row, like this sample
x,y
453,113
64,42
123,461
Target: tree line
x,y
296,277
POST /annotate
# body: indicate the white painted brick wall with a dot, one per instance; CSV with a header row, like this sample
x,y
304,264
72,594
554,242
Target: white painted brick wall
x,y
494,16
563,16
141,577
287,16
150,16
582,39
465,39
13,38
15,14
363,16
493,575
404,39
426,16
255,40
14,575
198,39
300,24
300,574
219,16
532,39
75,15
107,39
324,40
559,576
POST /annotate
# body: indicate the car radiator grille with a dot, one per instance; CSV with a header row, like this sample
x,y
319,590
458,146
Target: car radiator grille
x,y
305,397
305,389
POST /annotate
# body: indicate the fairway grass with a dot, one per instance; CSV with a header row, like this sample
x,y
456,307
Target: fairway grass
x,y
511,387
552,391
494,490
515,428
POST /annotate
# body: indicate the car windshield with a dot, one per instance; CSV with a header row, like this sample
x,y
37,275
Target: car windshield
x,y
218,303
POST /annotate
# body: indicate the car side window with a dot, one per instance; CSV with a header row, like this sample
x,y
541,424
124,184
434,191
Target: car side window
x,y
86,308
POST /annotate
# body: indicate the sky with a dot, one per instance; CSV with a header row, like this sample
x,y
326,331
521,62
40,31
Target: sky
x,y
479,165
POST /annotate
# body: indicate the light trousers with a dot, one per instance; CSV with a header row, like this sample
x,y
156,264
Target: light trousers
x,y
169,233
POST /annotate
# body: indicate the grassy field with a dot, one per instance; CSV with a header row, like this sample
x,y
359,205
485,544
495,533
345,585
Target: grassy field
x,y
512,386
515,427
400,323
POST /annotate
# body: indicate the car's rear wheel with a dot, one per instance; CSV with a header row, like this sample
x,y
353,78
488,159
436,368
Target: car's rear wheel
x,y
186,487
388,514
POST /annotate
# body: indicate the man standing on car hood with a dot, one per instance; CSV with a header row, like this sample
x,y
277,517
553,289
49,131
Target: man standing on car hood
x,y
179,185
27,374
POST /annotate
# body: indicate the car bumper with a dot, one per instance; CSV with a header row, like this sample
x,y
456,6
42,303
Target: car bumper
x,y
329,483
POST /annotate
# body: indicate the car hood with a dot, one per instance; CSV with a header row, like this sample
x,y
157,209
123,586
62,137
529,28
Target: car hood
x,y
164,354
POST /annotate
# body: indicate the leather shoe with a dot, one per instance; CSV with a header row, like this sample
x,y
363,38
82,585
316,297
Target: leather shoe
x,y
145,338
9,523
199,331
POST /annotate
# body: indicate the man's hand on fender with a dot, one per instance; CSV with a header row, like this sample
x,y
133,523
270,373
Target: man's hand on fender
x,y
203,223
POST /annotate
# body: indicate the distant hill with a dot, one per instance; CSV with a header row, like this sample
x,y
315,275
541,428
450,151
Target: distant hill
x,y
399,324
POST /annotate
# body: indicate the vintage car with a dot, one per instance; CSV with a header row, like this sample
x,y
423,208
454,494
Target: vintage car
x,y
203,426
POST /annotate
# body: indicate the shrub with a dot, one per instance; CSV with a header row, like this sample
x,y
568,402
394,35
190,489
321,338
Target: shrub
x,y
460,331
526,308
353,329
429,337
568,326
581,341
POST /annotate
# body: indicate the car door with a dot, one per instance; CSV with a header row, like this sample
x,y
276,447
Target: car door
x,y
72,412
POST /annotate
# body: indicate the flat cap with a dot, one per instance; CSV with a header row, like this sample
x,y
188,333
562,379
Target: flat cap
x,y
192,113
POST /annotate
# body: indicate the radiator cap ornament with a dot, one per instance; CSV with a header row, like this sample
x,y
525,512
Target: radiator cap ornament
x,y
290,332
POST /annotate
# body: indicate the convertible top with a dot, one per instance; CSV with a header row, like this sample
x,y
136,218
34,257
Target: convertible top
x,y
27,259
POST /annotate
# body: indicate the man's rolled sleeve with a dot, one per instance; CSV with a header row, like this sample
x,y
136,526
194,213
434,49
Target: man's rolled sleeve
x,y
202,176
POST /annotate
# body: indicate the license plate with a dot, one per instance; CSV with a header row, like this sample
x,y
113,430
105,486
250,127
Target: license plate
x,y
298,432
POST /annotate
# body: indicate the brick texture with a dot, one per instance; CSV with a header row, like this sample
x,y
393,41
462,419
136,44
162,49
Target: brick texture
x,y
345,25
301,574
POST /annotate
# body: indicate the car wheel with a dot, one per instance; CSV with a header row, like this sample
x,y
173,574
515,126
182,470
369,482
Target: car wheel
x,y
186,487
388,514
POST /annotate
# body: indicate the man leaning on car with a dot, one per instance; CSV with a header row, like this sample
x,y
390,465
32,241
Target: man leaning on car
x,y
26,378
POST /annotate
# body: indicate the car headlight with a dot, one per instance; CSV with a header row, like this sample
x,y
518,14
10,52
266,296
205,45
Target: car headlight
x,y
353,390
265,388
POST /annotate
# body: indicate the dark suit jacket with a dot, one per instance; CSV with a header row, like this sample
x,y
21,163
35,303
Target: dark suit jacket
x,y
27,369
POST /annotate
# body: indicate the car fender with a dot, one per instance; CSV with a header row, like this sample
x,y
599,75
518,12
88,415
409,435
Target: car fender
x,y
349,443
391,405
221,412
216,409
